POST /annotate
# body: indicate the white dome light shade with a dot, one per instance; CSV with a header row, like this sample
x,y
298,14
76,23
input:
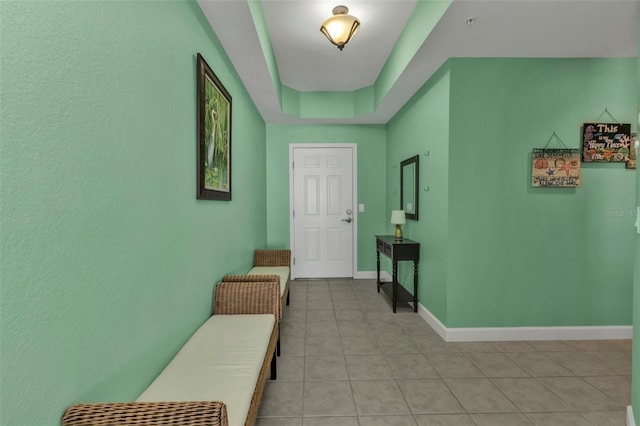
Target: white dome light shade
x,y
341,27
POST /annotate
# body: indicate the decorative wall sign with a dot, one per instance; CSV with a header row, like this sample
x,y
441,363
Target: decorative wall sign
x,y
555,167
606,142
633,153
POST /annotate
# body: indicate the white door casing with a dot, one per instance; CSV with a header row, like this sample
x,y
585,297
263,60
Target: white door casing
x,y
323,218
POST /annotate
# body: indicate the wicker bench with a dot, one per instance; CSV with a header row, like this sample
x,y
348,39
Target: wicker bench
x,y
269,265
217,378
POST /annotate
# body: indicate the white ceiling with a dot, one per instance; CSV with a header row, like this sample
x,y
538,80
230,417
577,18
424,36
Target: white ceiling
x,y
307,61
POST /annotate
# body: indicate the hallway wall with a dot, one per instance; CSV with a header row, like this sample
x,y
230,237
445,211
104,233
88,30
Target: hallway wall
x,y
371,142
635,379
517,255
108,260
421,127
537,256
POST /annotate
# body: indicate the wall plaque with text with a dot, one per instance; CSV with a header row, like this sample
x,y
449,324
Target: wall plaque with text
x,y
606,142
555,168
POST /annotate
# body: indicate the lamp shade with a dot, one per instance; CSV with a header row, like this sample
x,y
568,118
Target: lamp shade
x,y
341,27
397,217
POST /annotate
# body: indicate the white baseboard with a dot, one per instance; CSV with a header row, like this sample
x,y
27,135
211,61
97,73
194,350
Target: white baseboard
x,y
371,275
364,275
630,419
433,321
497,334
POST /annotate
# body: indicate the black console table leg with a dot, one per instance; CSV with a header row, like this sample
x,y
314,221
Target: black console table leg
x,y
395,286
378,270
415,286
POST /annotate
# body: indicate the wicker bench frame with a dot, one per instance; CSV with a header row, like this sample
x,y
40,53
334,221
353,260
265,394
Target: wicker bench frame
x,y
268,258
235,298
275,258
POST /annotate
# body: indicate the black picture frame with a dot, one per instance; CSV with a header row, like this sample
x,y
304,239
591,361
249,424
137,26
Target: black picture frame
x,y
214,108
410,167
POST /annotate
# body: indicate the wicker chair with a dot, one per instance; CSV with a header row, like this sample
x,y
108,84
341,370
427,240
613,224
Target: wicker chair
x,y
229,299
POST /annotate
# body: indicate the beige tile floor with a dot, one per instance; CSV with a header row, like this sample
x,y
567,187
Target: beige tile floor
x,y
347,360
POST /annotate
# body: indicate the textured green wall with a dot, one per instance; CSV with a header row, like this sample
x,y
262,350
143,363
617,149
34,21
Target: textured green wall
x,y
108,260
496,252
422,127
371,142
635,378
523,256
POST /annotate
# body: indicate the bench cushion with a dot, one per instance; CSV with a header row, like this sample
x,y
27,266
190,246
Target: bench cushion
x,y
281,271
220,362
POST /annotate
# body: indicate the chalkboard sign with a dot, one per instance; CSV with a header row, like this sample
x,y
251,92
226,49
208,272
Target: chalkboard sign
x,y
606,142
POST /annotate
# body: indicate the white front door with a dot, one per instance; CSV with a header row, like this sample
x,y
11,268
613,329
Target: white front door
x,y
323,212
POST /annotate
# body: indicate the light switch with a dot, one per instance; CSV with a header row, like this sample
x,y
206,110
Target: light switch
x,y
361,208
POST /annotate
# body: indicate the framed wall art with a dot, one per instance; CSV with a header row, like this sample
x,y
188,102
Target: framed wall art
x,y
555,168
606,142
214,136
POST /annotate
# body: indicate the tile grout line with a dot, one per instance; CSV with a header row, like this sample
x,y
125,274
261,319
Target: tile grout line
x,y
363,298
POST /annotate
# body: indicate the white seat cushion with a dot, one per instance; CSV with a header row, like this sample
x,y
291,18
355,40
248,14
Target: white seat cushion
x,y
220,362
281,271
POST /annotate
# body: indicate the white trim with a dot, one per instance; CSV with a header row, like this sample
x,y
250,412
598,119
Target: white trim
x,y
497,334
489,334
364,275
372,275
630,420
433,321
354,193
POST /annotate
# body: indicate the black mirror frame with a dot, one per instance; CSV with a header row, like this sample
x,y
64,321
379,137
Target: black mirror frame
x,y
413,160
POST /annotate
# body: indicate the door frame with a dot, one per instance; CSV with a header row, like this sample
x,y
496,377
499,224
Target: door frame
x,y
354,193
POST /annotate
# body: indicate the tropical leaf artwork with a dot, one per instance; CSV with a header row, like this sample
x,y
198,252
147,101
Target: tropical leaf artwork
x,y
216,133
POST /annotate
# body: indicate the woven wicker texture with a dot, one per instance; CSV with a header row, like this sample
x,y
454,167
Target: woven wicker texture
x,y
275,258
188,413
260,278
233,298
272,258
251,278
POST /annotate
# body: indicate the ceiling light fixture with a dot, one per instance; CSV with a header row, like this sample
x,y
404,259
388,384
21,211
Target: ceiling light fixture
x,y
341,27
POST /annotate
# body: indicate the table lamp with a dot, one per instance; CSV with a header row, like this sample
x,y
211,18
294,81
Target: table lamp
x,y
398,219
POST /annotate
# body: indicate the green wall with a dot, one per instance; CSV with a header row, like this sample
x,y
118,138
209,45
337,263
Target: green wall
x,y
371,142
107,259
496,252
422,127
635,377
548,256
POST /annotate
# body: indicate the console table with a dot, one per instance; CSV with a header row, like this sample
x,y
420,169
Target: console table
x,y
404,249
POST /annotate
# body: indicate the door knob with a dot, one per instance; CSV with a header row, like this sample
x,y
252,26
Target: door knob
x,y
348,220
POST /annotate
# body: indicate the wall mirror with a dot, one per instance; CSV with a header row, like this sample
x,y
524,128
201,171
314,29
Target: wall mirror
x,y
409,173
